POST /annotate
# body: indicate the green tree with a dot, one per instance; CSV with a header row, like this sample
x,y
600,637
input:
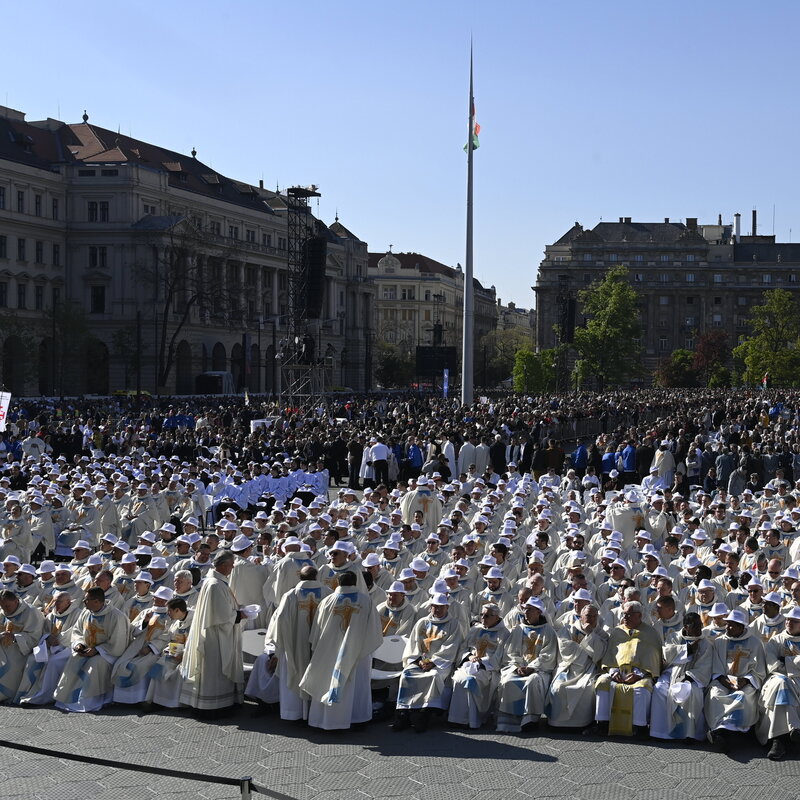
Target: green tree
x,y
494,356
394,369
534,372
772,346
677,370
606,345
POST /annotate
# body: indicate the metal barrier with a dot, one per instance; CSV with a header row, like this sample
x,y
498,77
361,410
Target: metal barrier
x,y
245,785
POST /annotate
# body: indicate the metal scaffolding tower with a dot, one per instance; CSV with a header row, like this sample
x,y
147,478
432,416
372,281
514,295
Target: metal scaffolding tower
x,y
301,372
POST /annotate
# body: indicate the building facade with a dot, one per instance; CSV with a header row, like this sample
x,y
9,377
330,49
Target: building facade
x,y
420,302
126,265
691,279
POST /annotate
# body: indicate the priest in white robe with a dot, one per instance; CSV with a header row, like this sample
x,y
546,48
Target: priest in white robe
x,y
738,673
632,663
676,710
478,675
428,663
150,631
99,637
779,700
581,647
48,659
21,629
165,676
531,657
344,635
212,663
278,670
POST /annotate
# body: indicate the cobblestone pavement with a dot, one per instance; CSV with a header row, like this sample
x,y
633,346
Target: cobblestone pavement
x,y
371,763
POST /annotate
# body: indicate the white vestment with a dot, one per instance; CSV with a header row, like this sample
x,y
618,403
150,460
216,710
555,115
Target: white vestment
x,y
85,684
212,662
522,697
676,710
742,657
344,635
130,675
433,640
475,681
779,699
570,700
25,625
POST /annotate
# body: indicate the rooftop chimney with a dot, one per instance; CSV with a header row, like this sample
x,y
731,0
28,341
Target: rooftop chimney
x,y
666,220
261,184
737,227
754,233
622,219
719,219
691,223
627,220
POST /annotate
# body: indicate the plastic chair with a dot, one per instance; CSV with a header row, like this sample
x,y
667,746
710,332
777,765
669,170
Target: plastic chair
x,y
390,652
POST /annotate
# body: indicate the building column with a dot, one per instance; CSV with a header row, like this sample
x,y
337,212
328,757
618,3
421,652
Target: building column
x,y
275,285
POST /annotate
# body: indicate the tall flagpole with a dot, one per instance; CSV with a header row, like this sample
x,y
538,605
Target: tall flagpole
x,y
467,344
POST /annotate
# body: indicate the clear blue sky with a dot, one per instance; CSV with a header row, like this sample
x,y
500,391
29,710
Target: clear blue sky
x,y
588,110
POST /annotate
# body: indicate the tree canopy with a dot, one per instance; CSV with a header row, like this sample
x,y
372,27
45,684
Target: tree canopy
x,y
773,345
607,345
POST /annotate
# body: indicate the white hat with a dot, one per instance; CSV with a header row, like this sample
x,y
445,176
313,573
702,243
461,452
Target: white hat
x,y
80,544
128,558
28,569
371,560
163,593
736,616
420,565
719,610
46,567
144,576
406,574
773,597
94,560
396,586
240,542
705,584
63,567
440,600
494,572
582,594
793,613
158,562
535,602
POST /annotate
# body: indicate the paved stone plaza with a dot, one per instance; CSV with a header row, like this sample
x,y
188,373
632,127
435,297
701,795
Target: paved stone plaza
x,y
372,763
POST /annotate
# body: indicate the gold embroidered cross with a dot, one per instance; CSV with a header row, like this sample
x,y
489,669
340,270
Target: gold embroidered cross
x,y
483,646
91,630
309,605
346,611
738,653
390,625
435,635
154,625
532,645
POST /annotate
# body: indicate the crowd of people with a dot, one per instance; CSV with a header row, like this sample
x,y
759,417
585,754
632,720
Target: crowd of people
x,y
625,563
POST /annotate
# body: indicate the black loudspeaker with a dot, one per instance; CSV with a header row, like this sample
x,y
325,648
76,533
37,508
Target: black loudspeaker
x,y
315,254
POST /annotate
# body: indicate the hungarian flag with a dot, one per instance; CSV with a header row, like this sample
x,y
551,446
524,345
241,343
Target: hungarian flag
x,y
476,129
765,380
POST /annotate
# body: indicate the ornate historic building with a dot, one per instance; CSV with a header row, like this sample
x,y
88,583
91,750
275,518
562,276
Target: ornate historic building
x,y
419,301
123,263
691,278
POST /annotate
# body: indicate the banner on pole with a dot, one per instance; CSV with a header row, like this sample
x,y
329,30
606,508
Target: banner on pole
x,y
446,382
5,403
